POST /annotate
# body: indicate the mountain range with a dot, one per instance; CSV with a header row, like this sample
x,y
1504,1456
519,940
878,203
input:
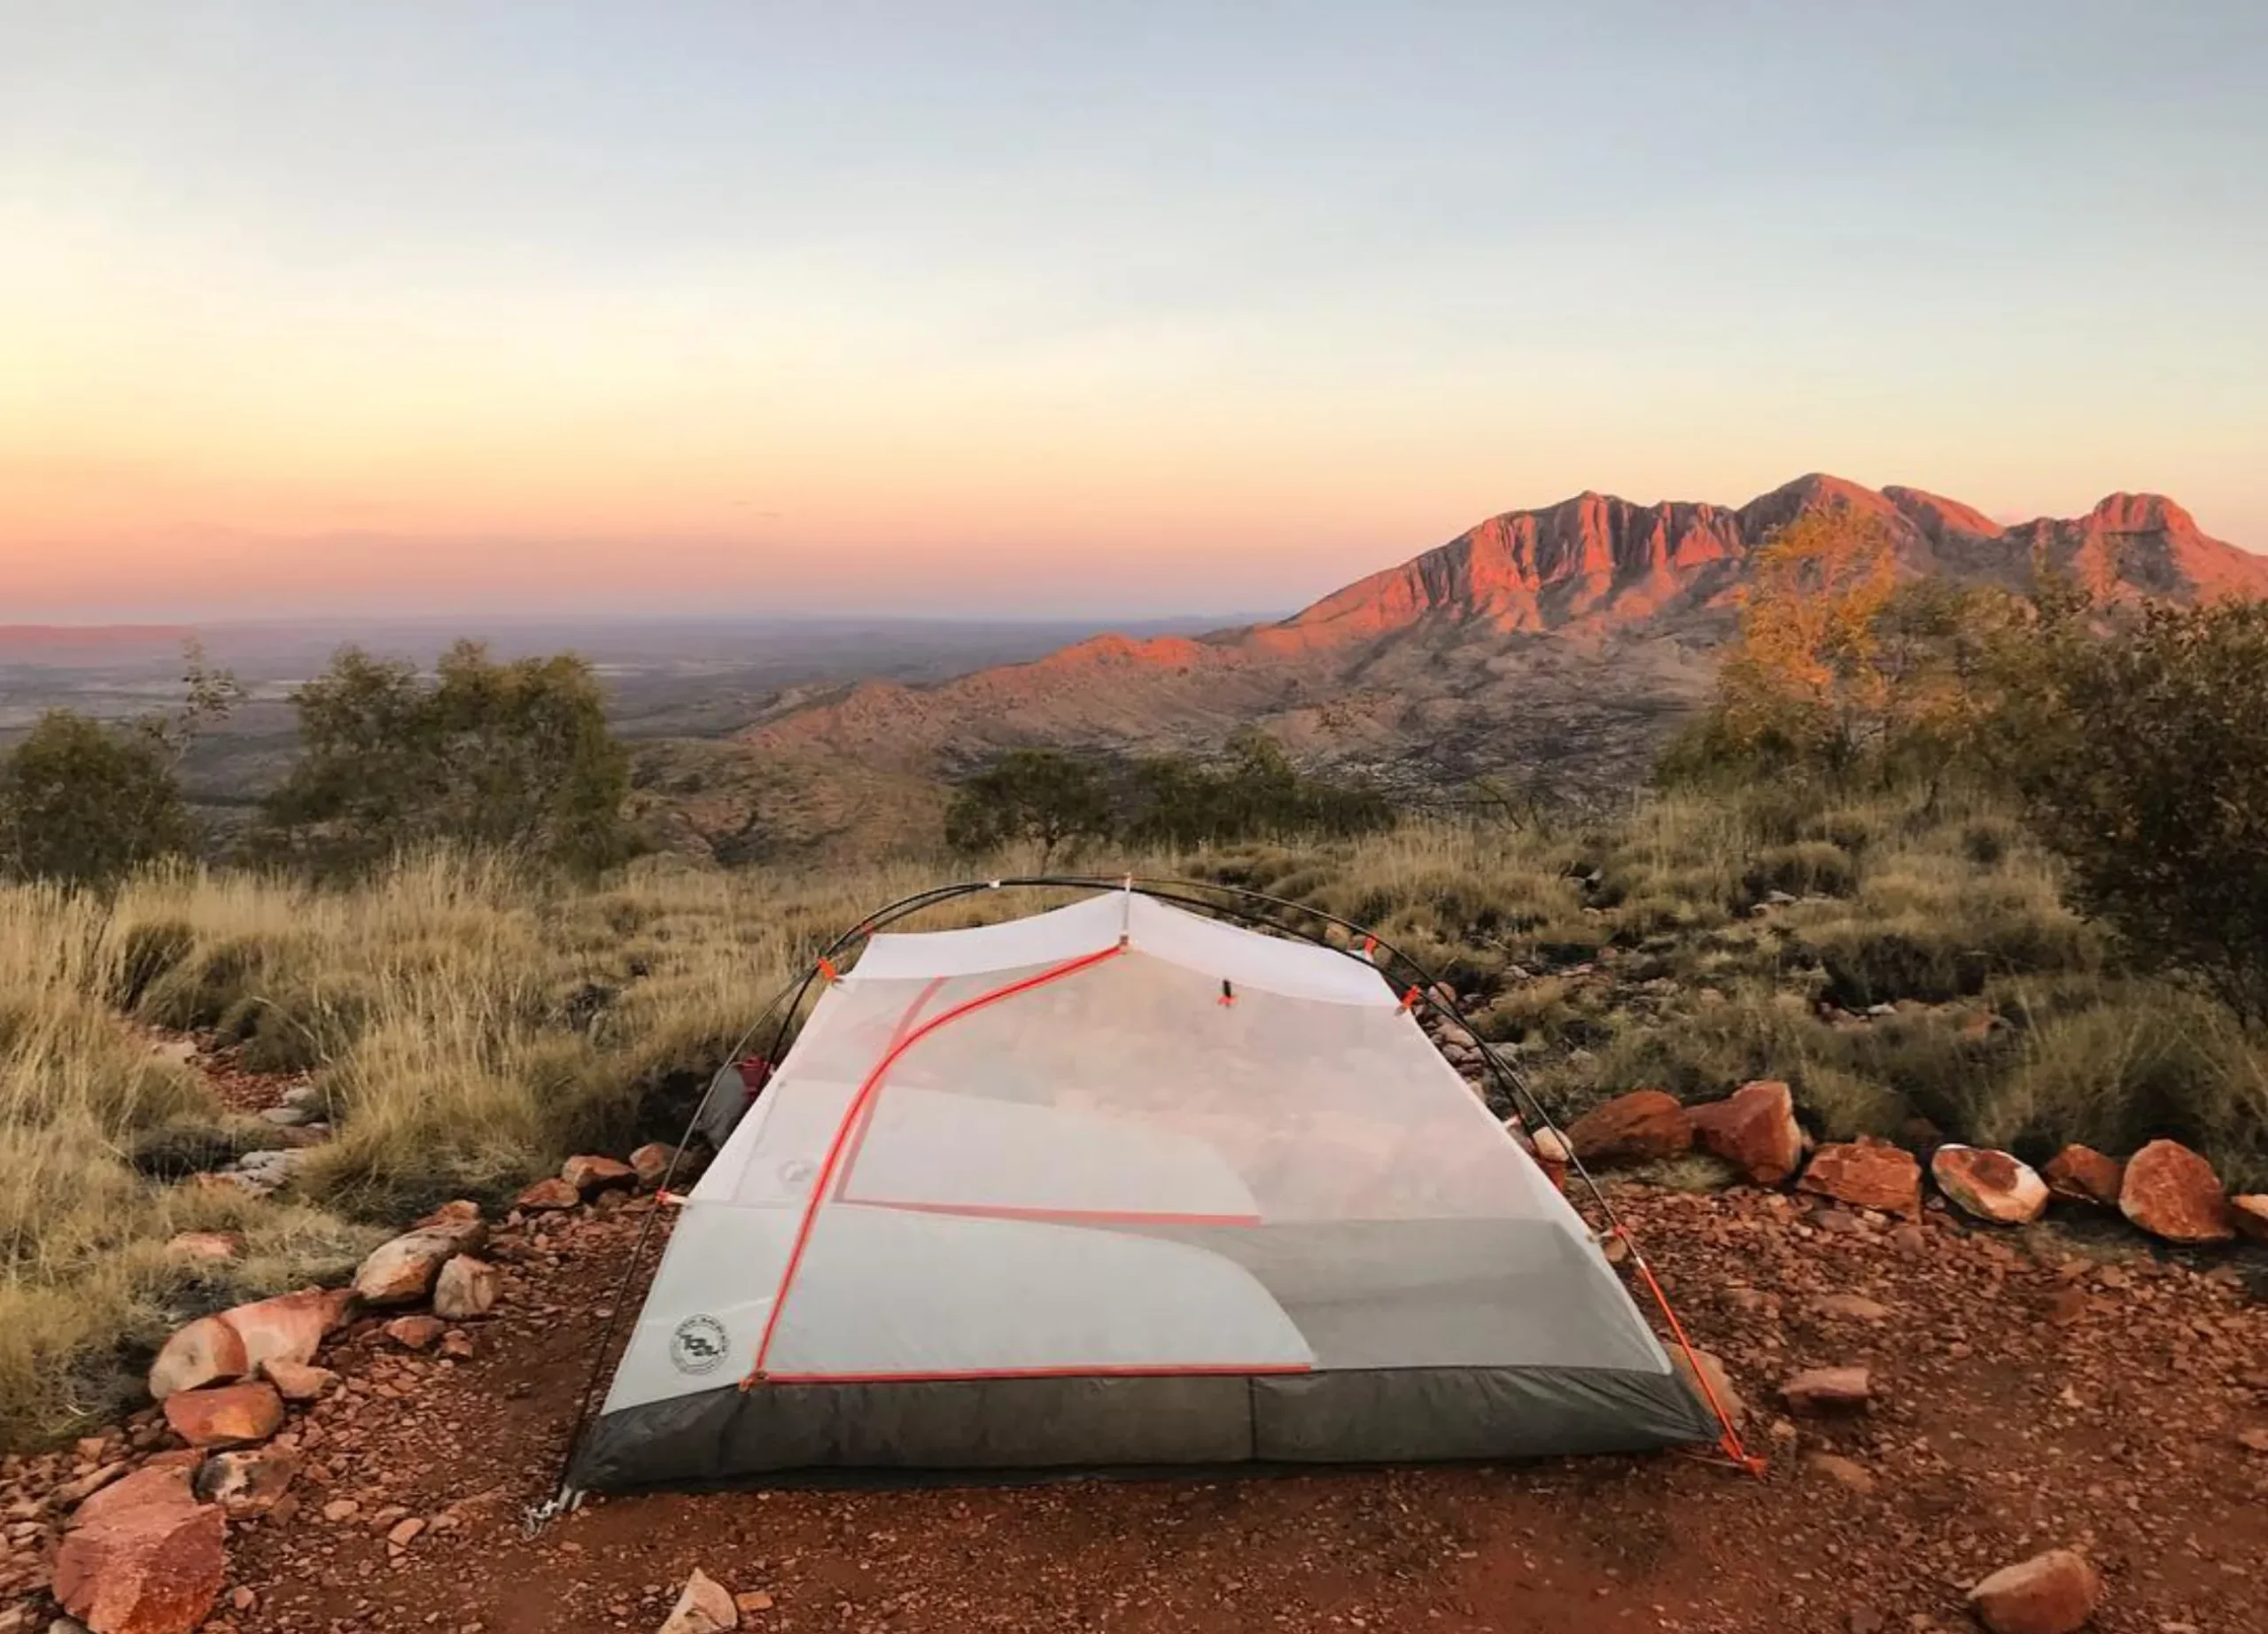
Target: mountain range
x,y
1562,642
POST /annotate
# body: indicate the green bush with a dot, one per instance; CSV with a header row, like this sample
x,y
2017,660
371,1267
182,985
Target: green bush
x,y
512,759
86,804
2150,779
1033,797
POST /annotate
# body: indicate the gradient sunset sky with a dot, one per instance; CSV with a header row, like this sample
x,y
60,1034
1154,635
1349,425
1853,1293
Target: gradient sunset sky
x,y
1080,306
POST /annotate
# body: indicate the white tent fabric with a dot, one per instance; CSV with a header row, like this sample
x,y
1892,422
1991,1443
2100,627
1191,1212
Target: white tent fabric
x,y
1114,1140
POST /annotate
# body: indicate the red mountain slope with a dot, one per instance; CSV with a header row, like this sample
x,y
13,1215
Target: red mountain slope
x,y
1570,635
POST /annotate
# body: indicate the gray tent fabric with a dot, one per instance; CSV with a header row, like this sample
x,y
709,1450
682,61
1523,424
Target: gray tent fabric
x,y
1121,1187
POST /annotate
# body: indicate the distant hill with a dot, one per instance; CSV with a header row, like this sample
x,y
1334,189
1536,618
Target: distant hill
x,y
1565,640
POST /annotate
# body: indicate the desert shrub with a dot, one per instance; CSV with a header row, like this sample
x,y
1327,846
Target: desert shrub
x,y
2118,1063
205,984
515,759
184,1146
86,803
1803,868
1255,791
2151,782
1985,843
1038,796
151,950
1842,676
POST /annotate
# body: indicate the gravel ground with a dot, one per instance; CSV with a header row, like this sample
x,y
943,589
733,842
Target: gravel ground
x,y
2059,1386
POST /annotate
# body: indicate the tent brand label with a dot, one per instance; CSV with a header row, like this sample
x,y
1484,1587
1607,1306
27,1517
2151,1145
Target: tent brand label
x,y
699,1345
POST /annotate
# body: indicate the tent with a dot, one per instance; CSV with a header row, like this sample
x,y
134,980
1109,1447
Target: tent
x,y
1121,1187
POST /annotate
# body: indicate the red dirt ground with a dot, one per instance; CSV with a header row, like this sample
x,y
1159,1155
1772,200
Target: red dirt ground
x,y
2032,1392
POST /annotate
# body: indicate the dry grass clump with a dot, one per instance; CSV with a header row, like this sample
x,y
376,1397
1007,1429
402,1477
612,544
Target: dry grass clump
x,y
1632,953
85,1283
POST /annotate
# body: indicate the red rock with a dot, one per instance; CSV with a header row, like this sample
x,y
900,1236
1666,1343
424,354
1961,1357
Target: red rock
x,y
2249,1215
2172,1192
401,1272
143,1557
1720,1384
459,1222
2051,1593
1823,1389
225,1415
466,1287
1858,1307
416,1333
1991,1186
1549,1147
206,1352
246,1484
1867,1174
652,1163
71,1494
288,1329
587,1174
552,1194
1754,1128
2081,1174
1844,1472
457,1345
297,1383
706,1606
1644,1125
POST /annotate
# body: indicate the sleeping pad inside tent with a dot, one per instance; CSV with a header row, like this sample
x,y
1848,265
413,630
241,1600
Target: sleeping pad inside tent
x,y
1119,1186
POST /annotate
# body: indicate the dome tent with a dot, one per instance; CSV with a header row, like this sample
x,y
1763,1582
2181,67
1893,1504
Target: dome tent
x,y
1119,1186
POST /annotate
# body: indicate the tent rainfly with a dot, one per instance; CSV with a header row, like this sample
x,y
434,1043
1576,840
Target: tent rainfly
x,y
1121,1187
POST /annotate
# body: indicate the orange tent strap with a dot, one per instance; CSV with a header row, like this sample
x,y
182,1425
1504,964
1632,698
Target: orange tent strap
x,y
827,969
1730,1441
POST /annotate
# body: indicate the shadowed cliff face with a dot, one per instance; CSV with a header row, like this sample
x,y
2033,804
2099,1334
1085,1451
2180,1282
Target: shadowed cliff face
x,y
1573,637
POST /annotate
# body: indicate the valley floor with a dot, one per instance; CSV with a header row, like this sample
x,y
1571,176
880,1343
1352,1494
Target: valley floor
x,y
2059,1386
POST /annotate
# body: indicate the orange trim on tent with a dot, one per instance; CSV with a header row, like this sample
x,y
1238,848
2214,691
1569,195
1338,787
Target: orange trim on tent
x,y
1229,1370
1069,1217
866,1116
857,1105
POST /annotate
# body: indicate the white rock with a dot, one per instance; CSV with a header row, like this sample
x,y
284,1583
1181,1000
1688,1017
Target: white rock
x,y
705,1607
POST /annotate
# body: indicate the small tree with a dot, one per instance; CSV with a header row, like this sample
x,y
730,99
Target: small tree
x,y
1801,686
1030,795
86,802
516,756
1256,793
2153,786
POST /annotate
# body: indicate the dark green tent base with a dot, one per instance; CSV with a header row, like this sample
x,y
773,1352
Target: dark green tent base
x,y
987,1428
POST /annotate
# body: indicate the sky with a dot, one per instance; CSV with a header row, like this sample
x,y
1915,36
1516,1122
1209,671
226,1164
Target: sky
x,y
1097,309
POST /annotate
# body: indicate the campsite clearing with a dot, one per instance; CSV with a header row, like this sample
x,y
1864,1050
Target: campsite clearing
x,y
2031,1393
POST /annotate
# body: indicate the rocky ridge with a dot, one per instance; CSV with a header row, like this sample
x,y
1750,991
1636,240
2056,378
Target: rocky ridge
x,y
1565,638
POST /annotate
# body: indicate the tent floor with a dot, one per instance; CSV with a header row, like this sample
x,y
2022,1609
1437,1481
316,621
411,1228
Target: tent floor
x,y
1025,1428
